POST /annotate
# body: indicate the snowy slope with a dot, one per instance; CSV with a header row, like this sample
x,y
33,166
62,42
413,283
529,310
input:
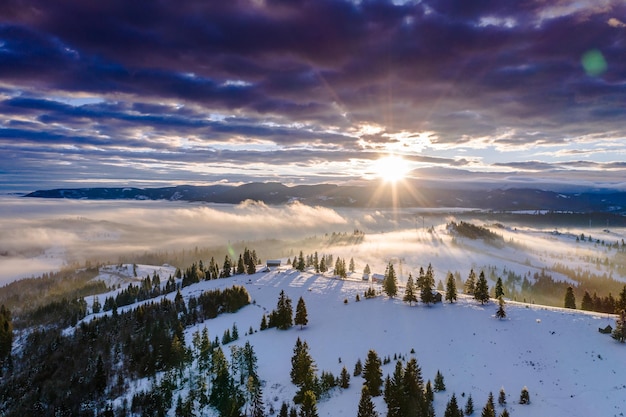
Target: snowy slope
x,y
569,368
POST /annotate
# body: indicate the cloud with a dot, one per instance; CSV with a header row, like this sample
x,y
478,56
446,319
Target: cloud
x,y
271,80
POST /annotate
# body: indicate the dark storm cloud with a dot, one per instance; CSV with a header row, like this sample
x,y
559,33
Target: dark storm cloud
x,y
503,73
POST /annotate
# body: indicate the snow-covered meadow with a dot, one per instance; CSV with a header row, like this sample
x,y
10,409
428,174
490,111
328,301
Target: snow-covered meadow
x,y
570,369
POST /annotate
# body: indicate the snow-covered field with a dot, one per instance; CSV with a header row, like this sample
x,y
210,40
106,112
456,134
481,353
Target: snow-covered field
x,y
570,369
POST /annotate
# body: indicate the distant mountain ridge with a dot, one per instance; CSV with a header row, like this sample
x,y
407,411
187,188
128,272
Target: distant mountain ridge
x,y
366,196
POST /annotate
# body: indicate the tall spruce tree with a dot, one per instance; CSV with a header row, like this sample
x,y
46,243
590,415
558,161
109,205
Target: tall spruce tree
x,y
439,384
481,291
394,392
6,334
570,299
414,401
451,288
284,312
390,284
470,284
587,302
499,291
469,406
303,370
300,265
372,373
452,408
409,291
524,397
427,285
301,318
366,405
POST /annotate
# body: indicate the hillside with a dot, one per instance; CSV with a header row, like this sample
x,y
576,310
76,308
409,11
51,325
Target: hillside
x,y
570,369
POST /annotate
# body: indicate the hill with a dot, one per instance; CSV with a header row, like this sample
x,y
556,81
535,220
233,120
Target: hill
x,y
570,369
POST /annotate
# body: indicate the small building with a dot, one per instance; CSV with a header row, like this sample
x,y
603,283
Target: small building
x,y
272,263
607,330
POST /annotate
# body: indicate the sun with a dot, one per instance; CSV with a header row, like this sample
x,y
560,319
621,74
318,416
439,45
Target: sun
x,y
391,168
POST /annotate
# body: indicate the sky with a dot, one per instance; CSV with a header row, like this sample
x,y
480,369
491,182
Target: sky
x,y
156,93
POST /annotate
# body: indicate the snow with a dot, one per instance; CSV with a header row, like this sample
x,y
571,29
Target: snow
x,y
569,368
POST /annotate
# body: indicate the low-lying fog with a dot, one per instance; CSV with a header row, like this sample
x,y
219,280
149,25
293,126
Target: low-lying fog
x,y
42,235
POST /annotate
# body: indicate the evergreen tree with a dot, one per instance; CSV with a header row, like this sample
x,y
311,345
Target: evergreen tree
x,y
390,286
470,284
352,266
394,392
227,268
489,410
451,288
372,373
316,263
241,267
524,397
414,401
366,405
301,318
502,397
303,370
426,287
96,306
100,376
258,408
469,406
323,266
367,271
452,408
263,322
409,291
501,313
587,303
284,410
309,404
499,292
225,396
300,265
619,333
621,301
504,413
439,384
284,312
570,299
481,290
358,368
344,378
6,334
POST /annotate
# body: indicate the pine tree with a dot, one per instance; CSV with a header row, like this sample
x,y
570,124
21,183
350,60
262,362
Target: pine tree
x,y
309,404
300,265
499,291
366,406
344,378
367,271
414,402
481,291
489,408
427,283
619,333
241,267
469,406
284,410
284,312
390,285
301,314
452,408
501,313
524,397
470,284
352,266
372,373
570,299
323,266
96,306
409,291
303,370
263,322
225,396
502,397
394,392
358,368
504,413
587,303
227,268
258,408
428,392
6,335
451,288
439,384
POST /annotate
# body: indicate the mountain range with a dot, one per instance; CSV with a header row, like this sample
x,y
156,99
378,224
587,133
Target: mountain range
x,y
363,196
